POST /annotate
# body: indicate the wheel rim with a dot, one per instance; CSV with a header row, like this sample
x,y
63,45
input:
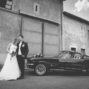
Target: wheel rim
x,y
40,69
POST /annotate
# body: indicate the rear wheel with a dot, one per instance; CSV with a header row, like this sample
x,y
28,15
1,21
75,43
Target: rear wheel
x,y
40,69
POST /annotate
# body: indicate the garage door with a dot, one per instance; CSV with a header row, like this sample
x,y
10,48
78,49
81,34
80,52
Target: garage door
x,y
51,39
33,35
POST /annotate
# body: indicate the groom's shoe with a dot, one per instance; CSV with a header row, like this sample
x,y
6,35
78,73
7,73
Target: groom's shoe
x,y
18,78
21,77
12,80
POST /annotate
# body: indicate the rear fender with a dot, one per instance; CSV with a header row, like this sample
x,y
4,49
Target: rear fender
x,y
45,63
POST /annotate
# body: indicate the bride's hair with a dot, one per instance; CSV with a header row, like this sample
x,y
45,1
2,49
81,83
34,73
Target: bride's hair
x,y
15,41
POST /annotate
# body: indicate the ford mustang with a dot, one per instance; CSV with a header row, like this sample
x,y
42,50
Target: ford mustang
x,y
66,60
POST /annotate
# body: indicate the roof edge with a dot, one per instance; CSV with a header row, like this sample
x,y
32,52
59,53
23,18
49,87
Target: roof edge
x,y
75,17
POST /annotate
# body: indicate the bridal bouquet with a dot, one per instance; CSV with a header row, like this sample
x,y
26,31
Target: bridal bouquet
x,y
13,53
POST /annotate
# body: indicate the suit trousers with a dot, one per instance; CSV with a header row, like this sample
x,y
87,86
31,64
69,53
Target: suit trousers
x,y
21,63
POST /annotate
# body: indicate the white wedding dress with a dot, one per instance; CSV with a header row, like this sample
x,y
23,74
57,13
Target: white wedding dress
x,y
10,70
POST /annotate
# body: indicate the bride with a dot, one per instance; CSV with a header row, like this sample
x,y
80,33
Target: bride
x,y
10,70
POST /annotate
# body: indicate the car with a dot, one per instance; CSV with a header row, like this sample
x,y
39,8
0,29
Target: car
x,y
66,60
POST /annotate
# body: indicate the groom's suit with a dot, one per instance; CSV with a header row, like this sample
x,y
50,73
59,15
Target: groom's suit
x,y
22,51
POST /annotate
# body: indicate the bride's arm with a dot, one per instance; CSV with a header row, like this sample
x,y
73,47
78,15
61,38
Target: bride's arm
x,y
8,47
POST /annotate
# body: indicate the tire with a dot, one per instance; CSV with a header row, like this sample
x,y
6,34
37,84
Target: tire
x,y
40,69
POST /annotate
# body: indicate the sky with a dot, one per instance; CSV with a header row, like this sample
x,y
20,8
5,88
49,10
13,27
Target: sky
x,y
77,7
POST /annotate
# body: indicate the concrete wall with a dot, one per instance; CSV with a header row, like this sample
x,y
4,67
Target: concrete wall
x,y
9,28
75,34
48,9
10,22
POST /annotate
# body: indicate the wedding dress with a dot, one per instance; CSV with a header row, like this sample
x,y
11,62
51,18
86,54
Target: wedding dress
x,y
10,70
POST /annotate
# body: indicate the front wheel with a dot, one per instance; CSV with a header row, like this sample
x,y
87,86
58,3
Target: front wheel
x,y
40,69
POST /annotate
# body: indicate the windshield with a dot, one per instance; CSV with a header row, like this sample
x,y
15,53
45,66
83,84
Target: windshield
x,y
64,55
67,55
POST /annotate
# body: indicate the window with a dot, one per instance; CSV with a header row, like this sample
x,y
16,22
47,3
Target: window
x,y
82,51
73,49
3,3
36,8
6,4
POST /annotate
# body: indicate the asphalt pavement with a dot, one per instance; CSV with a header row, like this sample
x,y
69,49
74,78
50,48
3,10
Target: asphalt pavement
x,y
53,80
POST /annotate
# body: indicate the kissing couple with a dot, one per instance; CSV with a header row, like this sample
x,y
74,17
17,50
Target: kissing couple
x,y
13,67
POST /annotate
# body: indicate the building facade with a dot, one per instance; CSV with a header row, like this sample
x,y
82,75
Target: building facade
x,y
38,20
75,33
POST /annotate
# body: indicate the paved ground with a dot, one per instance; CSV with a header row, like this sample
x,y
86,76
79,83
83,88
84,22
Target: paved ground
x,y
57,80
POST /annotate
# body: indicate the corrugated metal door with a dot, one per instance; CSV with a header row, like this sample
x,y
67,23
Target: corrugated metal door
x,y
51,39
32,31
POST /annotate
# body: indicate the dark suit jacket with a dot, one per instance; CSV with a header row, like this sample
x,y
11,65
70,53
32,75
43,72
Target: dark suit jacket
x,y
24,49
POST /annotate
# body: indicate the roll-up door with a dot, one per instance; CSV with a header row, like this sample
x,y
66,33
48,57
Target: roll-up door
x,y
32,34
51,39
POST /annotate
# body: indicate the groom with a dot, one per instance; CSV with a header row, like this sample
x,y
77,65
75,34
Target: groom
x,y
22,51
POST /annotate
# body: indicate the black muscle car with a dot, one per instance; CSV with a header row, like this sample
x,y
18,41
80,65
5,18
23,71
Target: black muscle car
x,y
66,60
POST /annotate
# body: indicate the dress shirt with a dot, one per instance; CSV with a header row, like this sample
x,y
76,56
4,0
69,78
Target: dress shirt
x,y
19,51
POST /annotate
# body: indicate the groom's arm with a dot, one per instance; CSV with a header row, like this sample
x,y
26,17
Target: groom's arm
x,y
26,50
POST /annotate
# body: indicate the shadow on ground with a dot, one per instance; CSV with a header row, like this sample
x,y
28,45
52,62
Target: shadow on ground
x,y
30,72
59,73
